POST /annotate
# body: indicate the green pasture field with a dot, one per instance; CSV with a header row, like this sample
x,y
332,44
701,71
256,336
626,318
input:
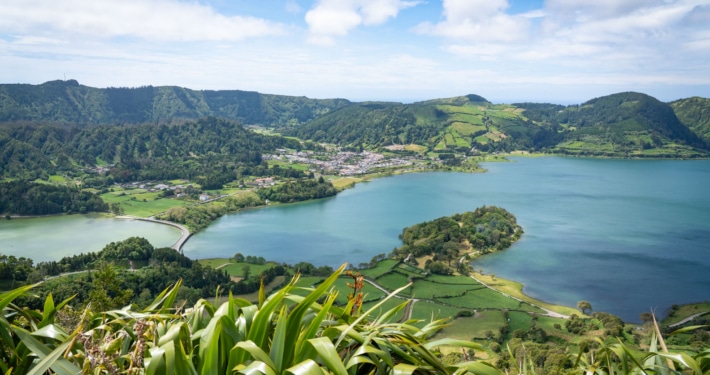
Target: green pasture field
x,y
428,290
386,306
482,139
455,280
236,269
153,204
57,179
519,320
286,164
345,182
466,129
427,311
393,281
515,289
475,327
254,297
684,311
482,299
416,148
410,270
380,269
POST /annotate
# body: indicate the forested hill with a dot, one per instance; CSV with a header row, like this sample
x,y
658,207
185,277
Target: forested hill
x,y
695,113
70,102
625,125
210,151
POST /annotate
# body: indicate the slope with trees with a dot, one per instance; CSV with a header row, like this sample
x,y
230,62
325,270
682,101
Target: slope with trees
x,y
695,113
447,239
70,102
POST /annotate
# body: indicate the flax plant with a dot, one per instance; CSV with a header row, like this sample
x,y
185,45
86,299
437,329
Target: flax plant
x,y
284,333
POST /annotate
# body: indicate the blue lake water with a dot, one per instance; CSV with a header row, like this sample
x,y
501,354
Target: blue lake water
x,y
625,235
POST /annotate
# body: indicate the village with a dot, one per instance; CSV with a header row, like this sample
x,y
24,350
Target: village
x,y
333,163
342,163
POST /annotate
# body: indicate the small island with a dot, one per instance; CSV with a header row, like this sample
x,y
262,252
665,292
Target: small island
x,y
447,244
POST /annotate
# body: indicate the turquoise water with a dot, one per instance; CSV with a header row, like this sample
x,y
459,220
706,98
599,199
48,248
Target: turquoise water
x,y
51,238
626,235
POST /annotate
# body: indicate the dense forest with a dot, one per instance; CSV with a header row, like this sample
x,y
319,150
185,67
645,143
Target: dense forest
x,y
211,149
299,190
486,229
72,103
27,198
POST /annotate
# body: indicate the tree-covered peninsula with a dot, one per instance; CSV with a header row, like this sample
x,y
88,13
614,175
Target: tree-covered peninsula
x,y
445,244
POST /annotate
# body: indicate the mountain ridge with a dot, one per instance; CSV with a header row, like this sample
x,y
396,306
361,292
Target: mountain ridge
x,y
627,124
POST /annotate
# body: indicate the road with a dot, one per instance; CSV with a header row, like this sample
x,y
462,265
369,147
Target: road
x,y
177,245
686,320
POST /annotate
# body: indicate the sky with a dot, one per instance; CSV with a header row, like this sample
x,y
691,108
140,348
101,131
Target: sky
x,y
557,51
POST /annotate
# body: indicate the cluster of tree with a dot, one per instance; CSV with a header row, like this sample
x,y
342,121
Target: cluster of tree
x,y
251,259
14,270
70,102
198,217
108,283
21,197
485,229
299,190
375,124
209,149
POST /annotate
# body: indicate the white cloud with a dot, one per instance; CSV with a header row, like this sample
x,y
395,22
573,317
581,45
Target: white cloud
x,y
331,18
158,20
479,21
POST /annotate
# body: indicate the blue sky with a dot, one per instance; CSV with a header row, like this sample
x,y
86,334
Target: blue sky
x,y
558,51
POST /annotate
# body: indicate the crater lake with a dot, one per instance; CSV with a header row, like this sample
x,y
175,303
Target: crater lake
x,y
625,235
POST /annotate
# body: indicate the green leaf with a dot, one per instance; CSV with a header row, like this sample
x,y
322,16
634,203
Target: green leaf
x,y
685,360
7,297
330,356
278,342
258,368
687,329
478,368
51,331
453,342
307,367
303,351
156,363
255,351
48,358
404,369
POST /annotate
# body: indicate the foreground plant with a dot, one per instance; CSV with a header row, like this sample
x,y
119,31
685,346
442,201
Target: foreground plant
x,y
287,332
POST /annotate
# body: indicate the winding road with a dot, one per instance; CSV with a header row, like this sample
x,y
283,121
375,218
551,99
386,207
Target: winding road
x,y
177,245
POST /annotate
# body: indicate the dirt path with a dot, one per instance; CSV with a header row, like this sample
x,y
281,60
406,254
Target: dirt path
x,y
686,320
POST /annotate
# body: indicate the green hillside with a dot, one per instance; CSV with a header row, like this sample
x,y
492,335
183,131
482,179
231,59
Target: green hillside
x,y
621,125
210,150
70,102
625,124
695,114
442,125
